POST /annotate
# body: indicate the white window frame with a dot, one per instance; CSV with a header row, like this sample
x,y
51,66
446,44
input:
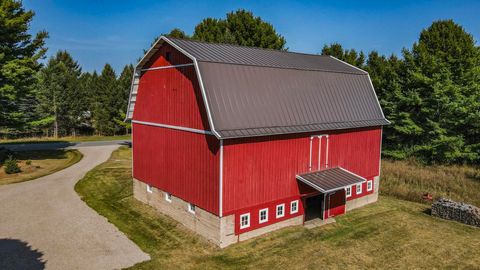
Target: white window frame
x,y
260,221
348,191
296,207
358,189
283,210
149,188
168,197
369,185
191,208
242,226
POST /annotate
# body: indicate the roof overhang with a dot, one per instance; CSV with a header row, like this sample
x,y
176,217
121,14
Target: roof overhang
x,y
330,180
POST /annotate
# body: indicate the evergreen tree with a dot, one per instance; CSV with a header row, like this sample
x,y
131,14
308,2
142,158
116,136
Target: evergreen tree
x,y
59,96
108,102
441,95
242,28
350,56
19,55
124,83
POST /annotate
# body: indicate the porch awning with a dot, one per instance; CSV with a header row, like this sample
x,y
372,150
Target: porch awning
x,y
330,179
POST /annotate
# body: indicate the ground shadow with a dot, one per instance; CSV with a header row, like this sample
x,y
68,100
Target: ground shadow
x,y
16,254
41,154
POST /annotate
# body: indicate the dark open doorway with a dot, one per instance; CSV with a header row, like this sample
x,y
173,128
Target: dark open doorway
x,y
314,207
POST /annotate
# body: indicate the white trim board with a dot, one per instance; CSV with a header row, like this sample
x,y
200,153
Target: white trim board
x,y
173,127
165,67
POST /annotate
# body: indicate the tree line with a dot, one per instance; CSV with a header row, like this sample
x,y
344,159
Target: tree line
x,y
56,98
430,93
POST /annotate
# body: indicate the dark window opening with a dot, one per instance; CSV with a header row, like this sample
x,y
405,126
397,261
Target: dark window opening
x,y
167,56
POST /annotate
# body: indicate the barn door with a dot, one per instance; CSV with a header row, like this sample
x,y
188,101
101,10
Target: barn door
x,y
318,152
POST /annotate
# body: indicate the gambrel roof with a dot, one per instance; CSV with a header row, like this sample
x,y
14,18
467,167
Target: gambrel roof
x,y
258,92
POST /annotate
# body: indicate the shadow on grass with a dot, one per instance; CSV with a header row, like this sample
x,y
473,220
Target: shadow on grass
x,y
16,254
41,154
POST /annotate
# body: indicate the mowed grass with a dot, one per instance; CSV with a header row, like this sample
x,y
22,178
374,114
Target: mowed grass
x,y
43,162
409,181
64,139
391,233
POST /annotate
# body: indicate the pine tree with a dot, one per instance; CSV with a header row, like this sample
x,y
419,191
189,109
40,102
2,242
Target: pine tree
x,y
19,55
124,84
59,95
109,99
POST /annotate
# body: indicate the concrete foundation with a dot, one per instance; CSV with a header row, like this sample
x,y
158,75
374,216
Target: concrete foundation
x,y
220,231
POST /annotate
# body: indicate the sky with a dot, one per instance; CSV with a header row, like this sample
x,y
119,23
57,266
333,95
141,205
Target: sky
x,y
117,32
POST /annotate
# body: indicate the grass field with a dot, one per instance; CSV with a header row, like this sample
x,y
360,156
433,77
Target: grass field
x,y
65,139
392,233
409,181
43,162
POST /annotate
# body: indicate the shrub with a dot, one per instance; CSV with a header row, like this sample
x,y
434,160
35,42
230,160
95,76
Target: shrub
x,y
11,165
28,162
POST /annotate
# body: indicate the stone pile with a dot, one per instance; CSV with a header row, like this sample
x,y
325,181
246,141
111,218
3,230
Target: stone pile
x,y
458,211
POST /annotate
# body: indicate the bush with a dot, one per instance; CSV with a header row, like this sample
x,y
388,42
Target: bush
x,y
11,165
28,162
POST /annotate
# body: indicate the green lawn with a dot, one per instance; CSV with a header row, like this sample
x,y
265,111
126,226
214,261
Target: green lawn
x,y
65,139
42,162
392,233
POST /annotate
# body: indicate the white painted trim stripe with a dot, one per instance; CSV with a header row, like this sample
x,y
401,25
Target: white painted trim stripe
x,y
220,185
173,127
165,67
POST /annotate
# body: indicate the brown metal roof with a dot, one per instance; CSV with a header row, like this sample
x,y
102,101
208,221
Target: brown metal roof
x,y
258,92
330,179
241,55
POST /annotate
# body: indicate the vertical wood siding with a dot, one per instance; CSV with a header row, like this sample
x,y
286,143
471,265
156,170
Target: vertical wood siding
x,y
182,163
171,96
260,170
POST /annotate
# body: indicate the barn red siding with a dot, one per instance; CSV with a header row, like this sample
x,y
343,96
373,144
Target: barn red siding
x,y
260,170
171,96
272,207
182,163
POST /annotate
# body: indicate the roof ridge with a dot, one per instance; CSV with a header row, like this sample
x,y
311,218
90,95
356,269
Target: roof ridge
x,y
295,68
247,47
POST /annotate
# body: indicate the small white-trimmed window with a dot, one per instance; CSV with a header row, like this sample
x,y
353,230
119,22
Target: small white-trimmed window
x,y
280,210
168,197
294,207
348,191
191,208
358,189
263,215
369,185
244,221
149,189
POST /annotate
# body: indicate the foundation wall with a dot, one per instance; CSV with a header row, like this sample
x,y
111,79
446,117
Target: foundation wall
x,y
220,231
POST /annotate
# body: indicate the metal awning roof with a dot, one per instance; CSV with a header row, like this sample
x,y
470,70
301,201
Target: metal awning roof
x,y
330,179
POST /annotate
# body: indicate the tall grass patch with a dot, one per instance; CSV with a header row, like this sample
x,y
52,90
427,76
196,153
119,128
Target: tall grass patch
x,y
409,180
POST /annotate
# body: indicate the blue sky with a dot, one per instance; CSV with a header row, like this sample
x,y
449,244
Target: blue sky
x,y
97,32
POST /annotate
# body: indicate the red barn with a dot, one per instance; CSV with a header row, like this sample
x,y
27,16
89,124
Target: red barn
x,y
235,141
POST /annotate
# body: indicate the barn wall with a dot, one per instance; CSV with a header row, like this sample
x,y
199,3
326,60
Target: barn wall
x,y
260,170
171,96
182,163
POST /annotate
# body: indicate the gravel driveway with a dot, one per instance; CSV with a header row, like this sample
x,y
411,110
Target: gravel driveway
x,y
44,223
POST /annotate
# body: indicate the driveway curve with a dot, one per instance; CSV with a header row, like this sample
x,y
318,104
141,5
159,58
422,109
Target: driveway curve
x,y
49,216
